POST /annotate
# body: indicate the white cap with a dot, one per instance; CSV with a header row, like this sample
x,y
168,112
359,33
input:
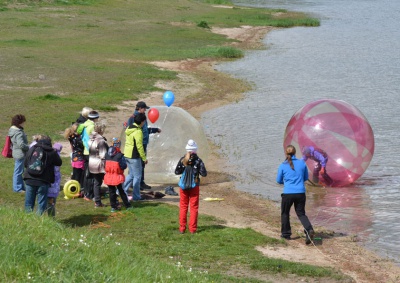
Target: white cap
x,y
191,146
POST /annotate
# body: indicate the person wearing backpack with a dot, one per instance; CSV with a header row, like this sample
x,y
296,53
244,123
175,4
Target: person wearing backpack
x,y
77,158
20,147
39,173
115,178
84,130
189,195
97,158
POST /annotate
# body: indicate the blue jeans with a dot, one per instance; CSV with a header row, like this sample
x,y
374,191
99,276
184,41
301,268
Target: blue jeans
x,y
30,198
18,182
134,177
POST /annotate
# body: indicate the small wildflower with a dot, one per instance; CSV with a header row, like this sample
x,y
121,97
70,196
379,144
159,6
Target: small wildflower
x,y
118,244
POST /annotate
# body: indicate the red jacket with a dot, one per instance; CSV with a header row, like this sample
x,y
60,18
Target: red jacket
x,y
115,165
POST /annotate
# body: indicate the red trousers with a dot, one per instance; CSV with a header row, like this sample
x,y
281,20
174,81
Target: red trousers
x,y
189,199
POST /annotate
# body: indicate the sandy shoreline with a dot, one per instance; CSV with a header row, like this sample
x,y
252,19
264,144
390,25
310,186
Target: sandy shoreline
x,y
194,94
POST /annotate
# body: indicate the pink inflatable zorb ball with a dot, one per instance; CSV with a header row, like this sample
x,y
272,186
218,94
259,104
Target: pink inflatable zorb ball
x,y
336,131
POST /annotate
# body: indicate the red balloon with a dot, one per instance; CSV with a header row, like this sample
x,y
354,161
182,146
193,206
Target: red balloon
x,y
153,115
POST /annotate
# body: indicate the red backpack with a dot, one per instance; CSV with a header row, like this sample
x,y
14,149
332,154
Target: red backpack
x,y
7,149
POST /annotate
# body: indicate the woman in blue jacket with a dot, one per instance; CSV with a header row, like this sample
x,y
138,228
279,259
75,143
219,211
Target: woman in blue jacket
x,y
292,173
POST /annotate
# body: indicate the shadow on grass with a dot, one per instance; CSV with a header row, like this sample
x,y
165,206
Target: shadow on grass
x,y
83,220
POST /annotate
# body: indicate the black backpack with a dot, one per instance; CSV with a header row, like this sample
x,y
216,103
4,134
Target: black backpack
x,y
36,161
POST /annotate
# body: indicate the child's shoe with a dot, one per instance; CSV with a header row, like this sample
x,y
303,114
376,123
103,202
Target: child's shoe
x,y
114,210
99,205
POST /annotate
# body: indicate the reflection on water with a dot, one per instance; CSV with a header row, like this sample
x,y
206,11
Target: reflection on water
x,y
346,210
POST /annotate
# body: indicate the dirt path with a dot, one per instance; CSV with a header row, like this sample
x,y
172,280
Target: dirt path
x,y
239,209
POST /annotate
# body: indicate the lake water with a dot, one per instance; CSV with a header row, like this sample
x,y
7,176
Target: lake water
x,y
353,56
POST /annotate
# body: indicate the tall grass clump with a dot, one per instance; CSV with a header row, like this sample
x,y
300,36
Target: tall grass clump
x,y
224,52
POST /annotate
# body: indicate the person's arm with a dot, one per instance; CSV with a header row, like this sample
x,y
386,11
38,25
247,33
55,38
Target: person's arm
x,y
19,138
103,148
122,163
139,145
57,161
305,174
321,158
279,176
154,130
202,168
179,167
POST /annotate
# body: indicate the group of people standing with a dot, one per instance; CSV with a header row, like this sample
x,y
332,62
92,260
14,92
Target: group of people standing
x,y
94,161
41,185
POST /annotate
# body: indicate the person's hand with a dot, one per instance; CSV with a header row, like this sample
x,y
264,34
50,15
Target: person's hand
x,y
322,170
159,130
146,162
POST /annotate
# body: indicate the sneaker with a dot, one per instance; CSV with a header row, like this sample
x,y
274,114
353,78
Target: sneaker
x,y
99,205
144,186
114,210
286,237
130,198
309,237
170,191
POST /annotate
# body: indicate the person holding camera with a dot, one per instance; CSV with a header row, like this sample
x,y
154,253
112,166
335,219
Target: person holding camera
x,y
189,198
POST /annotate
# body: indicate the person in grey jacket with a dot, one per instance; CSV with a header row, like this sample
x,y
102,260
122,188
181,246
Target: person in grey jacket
x,y
19,149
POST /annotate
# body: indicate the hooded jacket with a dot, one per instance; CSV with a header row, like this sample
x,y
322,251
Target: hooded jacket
x,y
115,166
145,129
53,159
20,145
97,153
317,155
134,142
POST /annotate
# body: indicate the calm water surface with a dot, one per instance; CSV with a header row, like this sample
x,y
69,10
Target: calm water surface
x,y
353,56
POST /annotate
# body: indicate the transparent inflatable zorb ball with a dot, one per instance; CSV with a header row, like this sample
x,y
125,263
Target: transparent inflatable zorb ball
x,y
341,131
166,148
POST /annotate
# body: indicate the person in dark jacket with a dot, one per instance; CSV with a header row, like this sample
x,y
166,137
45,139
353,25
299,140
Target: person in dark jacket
x,y
84,115
38,185
114,177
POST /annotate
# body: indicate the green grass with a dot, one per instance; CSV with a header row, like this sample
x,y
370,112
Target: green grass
x,y
58,56
86,244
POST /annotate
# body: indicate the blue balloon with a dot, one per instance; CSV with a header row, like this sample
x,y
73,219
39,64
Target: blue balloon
x,y
168,98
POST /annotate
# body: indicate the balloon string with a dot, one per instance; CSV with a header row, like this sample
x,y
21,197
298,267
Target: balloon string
x,y
165,117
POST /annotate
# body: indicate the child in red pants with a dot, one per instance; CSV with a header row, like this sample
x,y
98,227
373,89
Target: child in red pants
x,y
189,198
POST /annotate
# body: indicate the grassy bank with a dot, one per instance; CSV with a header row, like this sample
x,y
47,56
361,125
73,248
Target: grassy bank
x,y
93,245
58,56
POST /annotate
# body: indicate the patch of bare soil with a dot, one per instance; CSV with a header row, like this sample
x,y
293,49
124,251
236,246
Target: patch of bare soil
x,y
242,210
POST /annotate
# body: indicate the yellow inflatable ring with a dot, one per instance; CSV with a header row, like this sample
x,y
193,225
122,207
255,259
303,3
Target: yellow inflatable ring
x,y
71,189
